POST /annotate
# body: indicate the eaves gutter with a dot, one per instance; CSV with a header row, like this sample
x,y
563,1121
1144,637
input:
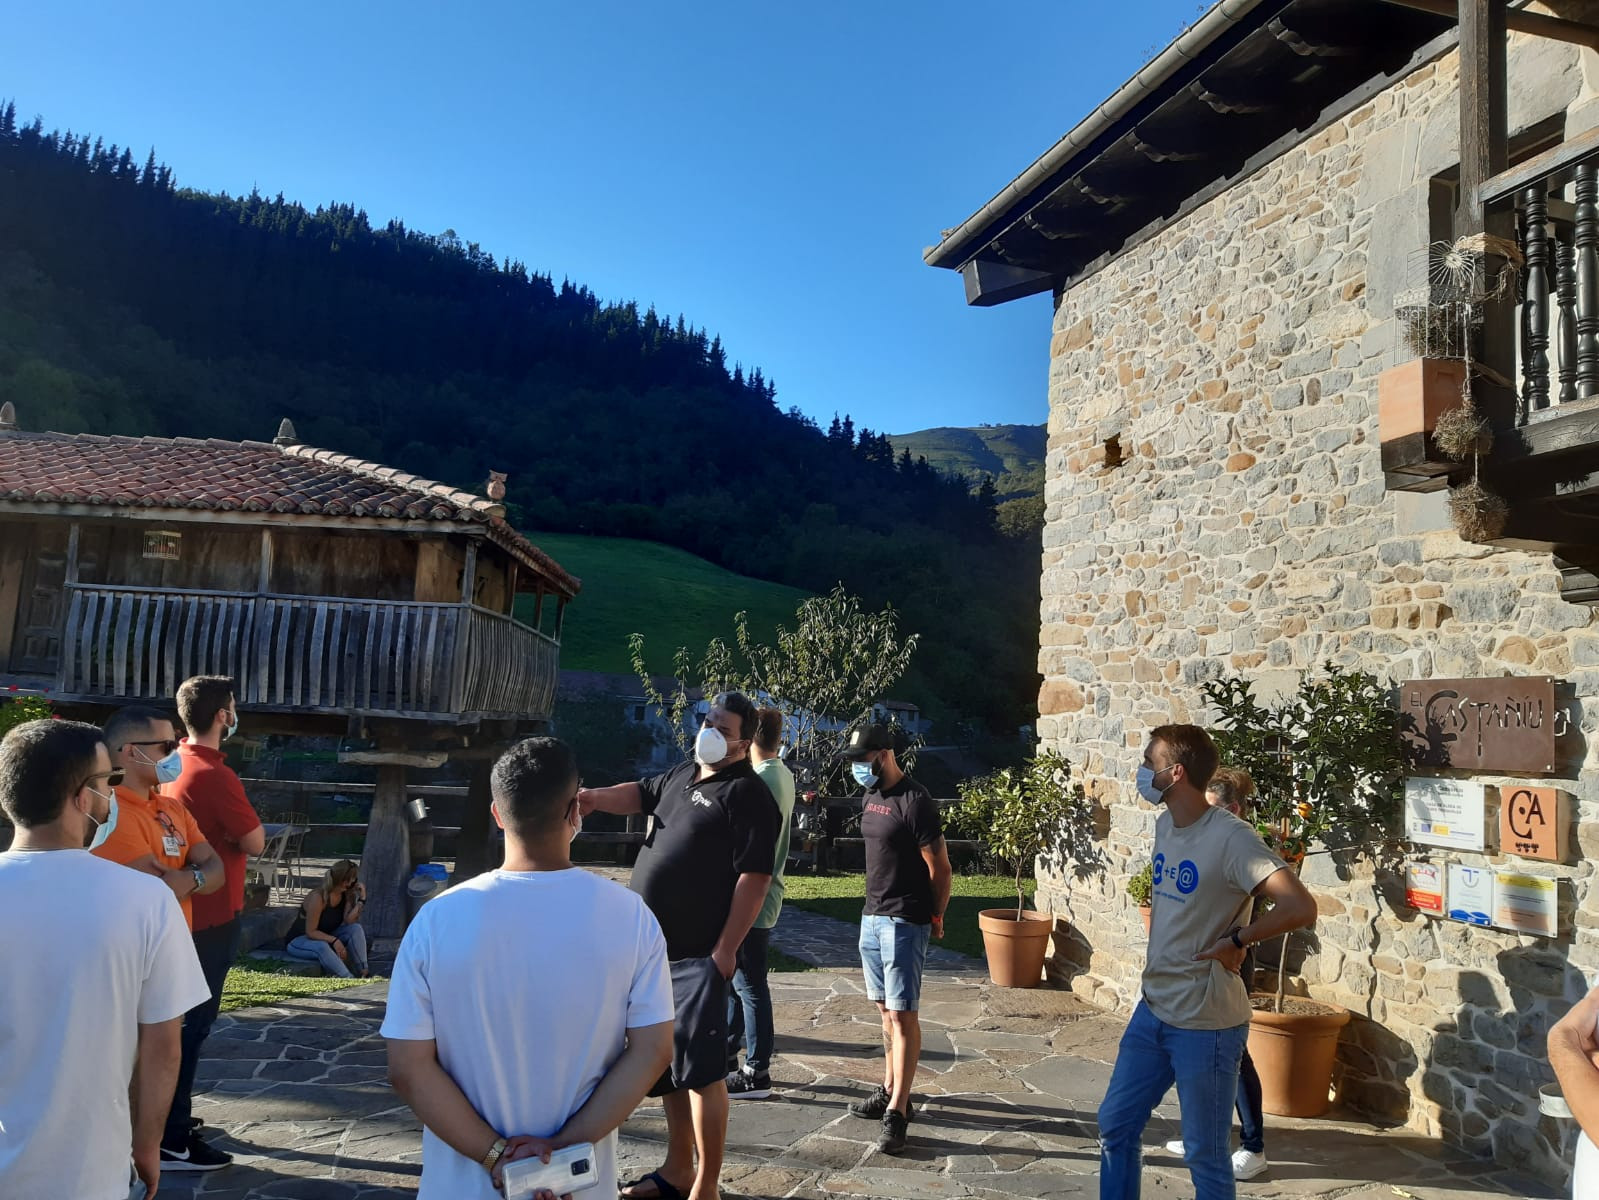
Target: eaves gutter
x,y
968,239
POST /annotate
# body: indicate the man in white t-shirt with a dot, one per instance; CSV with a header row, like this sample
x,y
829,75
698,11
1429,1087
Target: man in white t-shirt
x,y
99,972
531,1007
1191,1024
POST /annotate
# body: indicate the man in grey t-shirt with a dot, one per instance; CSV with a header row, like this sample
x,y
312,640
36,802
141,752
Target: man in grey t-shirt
x,y
1191,1024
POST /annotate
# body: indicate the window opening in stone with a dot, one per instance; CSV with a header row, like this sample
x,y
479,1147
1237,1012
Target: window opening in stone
x,y
1113,451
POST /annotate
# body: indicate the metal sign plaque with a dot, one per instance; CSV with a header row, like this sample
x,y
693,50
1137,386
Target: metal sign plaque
x,y
1503,724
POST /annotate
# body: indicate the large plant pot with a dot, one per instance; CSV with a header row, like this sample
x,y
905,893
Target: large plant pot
x,y
1294,1053
1015,948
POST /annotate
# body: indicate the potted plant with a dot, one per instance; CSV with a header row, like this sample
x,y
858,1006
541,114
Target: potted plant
x,y
1141,886
1021,813
1329,775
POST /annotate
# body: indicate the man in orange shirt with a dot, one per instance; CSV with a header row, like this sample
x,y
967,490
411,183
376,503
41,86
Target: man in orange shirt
x,y
215,798
156,834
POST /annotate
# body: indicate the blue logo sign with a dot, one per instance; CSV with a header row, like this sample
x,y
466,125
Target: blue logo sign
x,y
1187,877
1159,866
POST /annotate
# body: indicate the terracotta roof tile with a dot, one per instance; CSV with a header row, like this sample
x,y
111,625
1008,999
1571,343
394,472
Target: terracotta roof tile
x,y
217,476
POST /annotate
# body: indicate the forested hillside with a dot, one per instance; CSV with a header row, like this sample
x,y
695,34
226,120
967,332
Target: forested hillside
x,y
129,305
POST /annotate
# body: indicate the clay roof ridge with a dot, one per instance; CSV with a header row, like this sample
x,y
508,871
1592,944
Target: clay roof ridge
x,y
476,505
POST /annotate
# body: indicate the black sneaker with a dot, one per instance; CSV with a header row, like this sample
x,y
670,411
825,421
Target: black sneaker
x,y
892,1139
747,1085
875,1106
195,1125
196,1156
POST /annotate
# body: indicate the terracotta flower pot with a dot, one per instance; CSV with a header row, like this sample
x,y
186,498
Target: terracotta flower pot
x,y
1143,915
1294,1053
1015,948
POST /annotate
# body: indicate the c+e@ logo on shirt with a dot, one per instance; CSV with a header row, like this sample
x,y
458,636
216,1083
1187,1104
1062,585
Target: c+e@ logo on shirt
x,y
1185,874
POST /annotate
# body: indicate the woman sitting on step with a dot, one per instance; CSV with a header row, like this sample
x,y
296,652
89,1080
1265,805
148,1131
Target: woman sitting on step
x,y
328,929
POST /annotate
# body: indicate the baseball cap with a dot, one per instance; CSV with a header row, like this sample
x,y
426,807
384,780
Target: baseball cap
x,y
864,739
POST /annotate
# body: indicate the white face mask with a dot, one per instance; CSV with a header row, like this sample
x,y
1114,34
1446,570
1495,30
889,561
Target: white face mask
x,y
710,747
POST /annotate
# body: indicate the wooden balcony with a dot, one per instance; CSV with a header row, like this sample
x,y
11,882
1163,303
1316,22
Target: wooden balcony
x,y
311,654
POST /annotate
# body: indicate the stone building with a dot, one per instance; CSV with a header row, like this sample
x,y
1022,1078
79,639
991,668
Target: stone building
x,y
1226,240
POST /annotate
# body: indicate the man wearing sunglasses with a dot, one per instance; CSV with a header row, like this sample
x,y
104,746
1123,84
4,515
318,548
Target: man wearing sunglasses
x,y
156,834
101,971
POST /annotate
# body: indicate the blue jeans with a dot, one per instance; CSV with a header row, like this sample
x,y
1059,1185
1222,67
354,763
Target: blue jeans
x,y
312,950
1251,1114
1204,1065
749,1007
893,954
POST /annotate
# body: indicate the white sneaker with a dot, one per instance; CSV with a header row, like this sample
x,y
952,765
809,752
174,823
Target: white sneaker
x,y
1247,1164
1175,1147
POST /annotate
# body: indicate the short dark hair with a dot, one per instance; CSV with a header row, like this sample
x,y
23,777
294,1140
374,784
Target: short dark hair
x,y
201,698
1191,746
742,707
769,730
532,783
130,720
42,766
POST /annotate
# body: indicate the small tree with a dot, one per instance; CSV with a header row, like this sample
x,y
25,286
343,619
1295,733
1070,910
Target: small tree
x,y
1025,812
1141,885
829,669
1326,761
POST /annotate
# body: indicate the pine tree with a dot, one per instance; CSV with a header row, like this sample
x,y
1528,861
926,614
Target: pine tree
x,y
151,171
8,120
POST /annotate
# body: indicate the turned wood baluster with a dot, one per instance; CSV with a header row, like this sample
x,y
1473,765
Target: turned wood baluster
x,y
1566,318
1535,297
1587,279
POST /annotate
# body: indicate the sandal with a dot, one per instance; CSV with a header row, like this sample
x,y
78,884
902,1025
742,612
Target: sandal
x,y
663,1188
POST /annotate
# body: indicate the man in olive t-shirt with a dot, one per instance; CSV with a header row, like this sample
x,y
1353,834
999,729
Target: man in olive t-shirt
x,y
1191,1024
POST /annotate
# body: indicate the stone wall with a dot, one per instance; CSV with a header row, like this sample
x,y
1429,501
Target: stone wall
x,y
1233,358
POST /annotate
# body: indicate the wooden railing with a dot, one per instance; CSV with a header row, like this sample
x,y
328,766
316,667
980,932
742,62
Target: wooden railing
x,y
307,653
1558,302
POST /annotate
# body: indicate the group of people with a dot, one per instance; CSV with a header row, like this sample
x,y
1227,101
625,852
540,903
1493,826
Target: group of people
x,y
533,1007
125,878
653,990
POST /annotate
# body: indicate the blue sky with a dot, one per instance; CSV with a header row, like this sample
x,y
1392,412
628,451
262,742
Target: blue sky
x,y
773,171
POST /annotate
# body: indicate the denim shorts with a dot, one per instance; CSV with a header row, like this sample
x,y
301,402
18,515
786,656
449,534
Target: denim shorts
x,y
893,953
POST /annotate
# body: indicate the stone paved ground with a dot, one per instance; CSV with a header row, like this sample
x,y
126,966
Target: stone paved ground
x,y
1009,1087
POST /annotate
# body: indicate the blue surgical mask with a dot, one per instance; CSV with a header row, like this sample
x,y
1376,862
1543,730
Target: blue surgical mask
x,y
233,728
103,828
168,769
863,774
1146,784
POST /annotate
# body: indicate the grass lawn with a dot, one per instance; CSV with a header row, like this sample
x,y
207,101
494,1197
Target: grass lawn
x,y
670,596
253,981
841,896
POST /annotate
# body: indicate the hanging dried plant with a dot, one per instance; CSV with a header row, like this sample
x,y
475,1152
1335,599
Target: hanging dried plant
x,y
1478,515
1463,431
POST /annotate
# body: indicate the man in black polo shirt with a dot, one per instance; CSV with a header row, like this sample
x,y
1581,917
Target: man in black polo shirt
x,y
907,890
703,871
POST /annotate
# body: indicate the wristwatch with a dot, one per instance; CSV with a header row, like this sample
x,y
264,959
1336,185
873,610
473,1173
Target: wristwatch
x,y
199,877
493,1156
1238,941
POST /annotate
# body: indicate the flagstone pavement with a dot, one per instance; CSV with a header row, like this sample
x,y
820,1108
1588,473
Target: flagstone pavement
x,y
1009,1085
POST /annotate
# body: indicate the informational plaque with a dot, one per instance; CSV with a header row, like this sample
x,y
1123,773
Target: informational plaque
x,y
1533,822
1447,812
1424,887
1499,724
1471,895
1526,904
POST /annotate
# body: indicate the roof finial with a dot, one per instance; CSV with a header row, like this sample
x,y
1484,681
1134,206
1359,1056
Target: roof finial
x,y
8,417
286,435
494,489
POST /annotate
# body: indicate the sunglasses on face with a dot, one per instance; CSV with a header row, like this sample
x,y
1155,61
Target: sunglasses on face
x,y
113,778
166,746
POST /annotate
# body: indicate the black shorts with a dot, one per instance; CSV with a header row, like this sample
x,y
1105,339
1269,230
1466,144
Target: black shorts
x,y
699,1028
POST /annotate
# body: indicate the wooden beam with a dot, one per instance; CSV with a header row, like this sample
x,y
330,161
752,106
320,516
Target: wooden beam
x,y
428,759
264,578
1554,161
989,282
74,533
386,856
1557,29
469,573
1484,140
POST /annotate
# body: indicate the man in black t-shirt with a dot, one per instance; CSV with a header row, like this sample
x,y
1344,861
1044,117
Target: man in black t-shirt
x,y
907,890
703,871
